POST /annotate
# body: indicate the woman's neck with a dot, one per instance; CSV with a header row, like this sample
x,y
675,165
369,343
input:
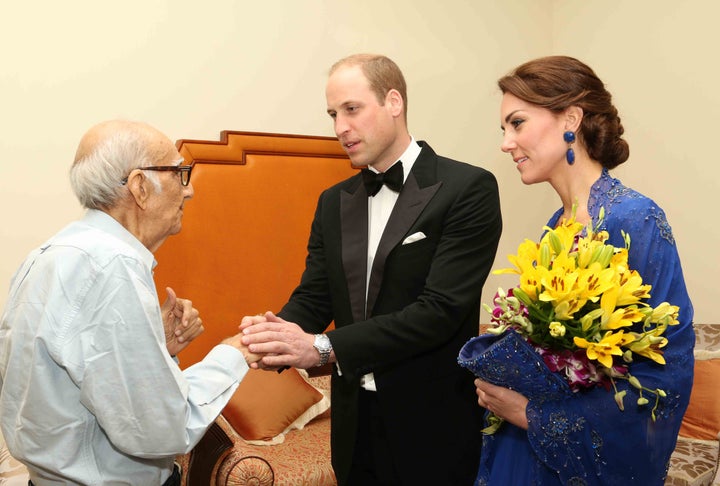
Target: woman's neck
x,y
574,186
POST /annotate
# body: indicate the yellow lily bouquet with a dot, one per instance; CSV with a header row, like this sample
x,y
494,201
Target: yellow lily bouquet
x,y
582,309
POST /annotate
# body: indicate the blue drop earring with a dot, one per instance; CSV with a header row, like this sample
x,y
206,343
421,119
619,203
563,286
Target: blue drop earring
x,y
569,138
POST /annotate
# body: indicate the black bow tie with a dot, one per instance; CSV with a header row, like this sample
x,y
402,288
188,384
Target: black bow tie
x,y
393,178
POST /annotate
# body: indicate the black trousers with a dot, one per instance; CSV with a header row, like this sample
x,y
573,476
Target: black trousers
x,y
173,480
372,458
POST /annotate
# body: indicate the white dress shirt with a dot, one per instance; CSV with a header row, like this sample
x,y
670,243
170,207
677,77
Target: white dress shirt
x,y
88,391
380,207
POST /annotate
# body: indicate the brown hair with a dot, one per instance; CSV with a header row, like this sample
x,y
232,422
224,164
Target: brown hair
x,y
558,82
382,74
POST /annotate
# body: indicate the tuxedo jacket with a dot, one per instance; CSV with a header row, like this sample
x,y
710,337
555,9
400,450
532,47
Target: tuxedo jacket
x,y
422,305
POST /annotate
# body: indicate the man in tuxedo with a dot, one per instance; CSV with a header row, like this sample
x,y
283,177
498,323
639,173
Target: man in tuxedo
x,y
397,258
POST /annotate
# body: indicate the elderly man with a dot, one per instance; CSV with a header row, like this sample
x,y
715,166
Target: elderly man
x,y
89,390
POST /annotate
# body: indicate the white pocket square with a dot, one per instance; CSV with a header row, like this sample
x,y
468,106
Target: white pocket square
x,y
414,237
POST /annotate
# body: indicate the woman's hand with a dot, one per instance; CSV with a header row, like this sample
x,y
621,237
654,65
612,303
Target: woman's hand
x,y
503,402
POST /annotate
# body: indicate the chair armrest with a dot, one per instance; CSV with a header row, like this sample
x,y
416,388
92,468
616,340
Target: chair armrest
x,y
207,453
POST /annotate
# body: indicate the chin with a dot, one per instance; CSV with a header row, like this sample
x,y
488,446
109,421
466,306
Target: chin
x,y
528,179
358,162
175,229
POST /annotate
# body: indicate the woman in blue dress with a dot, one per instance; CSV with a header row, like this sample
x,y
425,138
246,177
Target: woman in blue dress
x,y
586,439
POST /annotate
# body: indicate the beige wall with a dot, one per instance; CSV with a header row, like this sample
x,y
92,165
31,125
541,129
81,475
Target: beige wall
x,y
193,69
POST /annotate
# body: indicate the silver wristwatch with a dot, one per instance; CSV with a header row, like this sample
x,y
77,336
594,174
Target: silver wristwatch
x,y
323,346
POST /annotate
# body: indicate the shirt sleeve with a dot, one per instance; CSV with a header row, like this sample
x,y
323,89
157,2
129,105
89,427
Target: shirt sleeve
x,y
113,346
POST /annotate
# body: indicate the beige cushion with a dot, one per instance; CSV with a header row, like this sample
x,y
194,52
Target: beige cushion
x,y
693,463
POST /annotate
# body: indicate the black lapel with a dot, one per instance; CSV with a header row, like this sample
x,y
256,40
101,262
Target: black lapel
x,y
411,202
354,234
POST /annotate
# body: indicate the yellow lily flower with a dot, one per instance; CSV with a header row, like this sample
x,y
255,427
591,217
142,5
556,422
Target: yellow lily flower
x,y
585,250
601,236
565,233
609,346
665,314
648,344
631,289
558,282
527,256
566,309
622,317
592,282
614,318
619,261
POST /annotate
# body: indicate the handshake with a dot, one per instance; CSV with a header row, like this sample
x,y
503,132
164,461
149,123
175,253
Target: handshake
x,y
266,341
273,343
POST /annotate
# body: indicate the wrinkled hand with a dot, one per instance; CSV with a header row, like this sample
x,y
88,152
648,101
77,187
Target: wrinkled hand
x,y
283,343
503,402
236,342
181,321
252,320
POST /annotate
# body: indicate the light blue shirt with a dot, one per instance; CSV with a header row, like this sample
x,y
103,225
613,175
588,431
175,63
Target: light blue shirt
x,y
88,391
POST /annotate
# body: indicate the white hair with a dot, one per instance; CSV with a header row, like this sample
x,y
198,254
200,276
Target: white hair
x,y
96,178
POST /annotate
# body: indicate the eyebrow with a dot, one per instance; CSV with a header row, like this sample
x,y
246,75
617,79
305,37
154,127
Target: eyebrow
x,y
344,105
507,118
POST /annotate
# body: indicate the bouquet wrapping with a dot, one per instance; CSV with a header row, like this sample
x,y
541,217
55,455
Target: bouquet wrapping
x,y
509,361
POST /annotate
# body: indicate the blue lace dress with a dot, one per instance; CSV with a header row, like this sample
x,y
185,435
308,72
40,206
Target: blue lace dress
x,y
585,439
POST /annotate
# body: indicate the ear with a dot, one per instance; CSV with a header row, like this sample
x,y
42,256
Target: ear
x,y
395,101
138,185
573,116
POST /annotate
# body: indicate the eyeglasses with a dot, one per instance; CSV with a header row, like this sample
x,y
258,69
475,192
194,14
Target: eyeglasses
x,y
184,170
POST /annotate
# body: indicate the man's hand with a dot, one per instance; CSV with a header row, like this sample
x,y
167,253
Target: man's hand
x,y
252,320
181,321
282,343
236,342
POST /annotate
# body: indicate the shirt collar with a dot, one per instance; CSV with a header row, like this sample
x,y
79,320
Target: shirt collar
x,y
408,158
104,222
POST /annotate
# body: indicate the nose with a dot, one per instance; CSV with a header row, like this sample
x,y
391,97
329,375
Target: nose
x,y
341,125
189,191
508,143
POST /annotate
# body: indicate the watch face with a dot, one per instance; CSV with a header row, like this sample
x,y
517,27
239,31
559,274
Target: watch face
x,y
322,343
323,347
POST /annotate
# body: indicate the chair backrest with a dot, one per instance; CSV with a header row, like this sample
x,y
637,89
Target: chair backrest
x,y
243,244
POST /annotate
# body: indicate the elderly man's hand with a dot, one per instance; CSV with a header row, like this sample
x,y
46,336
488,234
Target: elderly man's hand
x,y
181,321
236,342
